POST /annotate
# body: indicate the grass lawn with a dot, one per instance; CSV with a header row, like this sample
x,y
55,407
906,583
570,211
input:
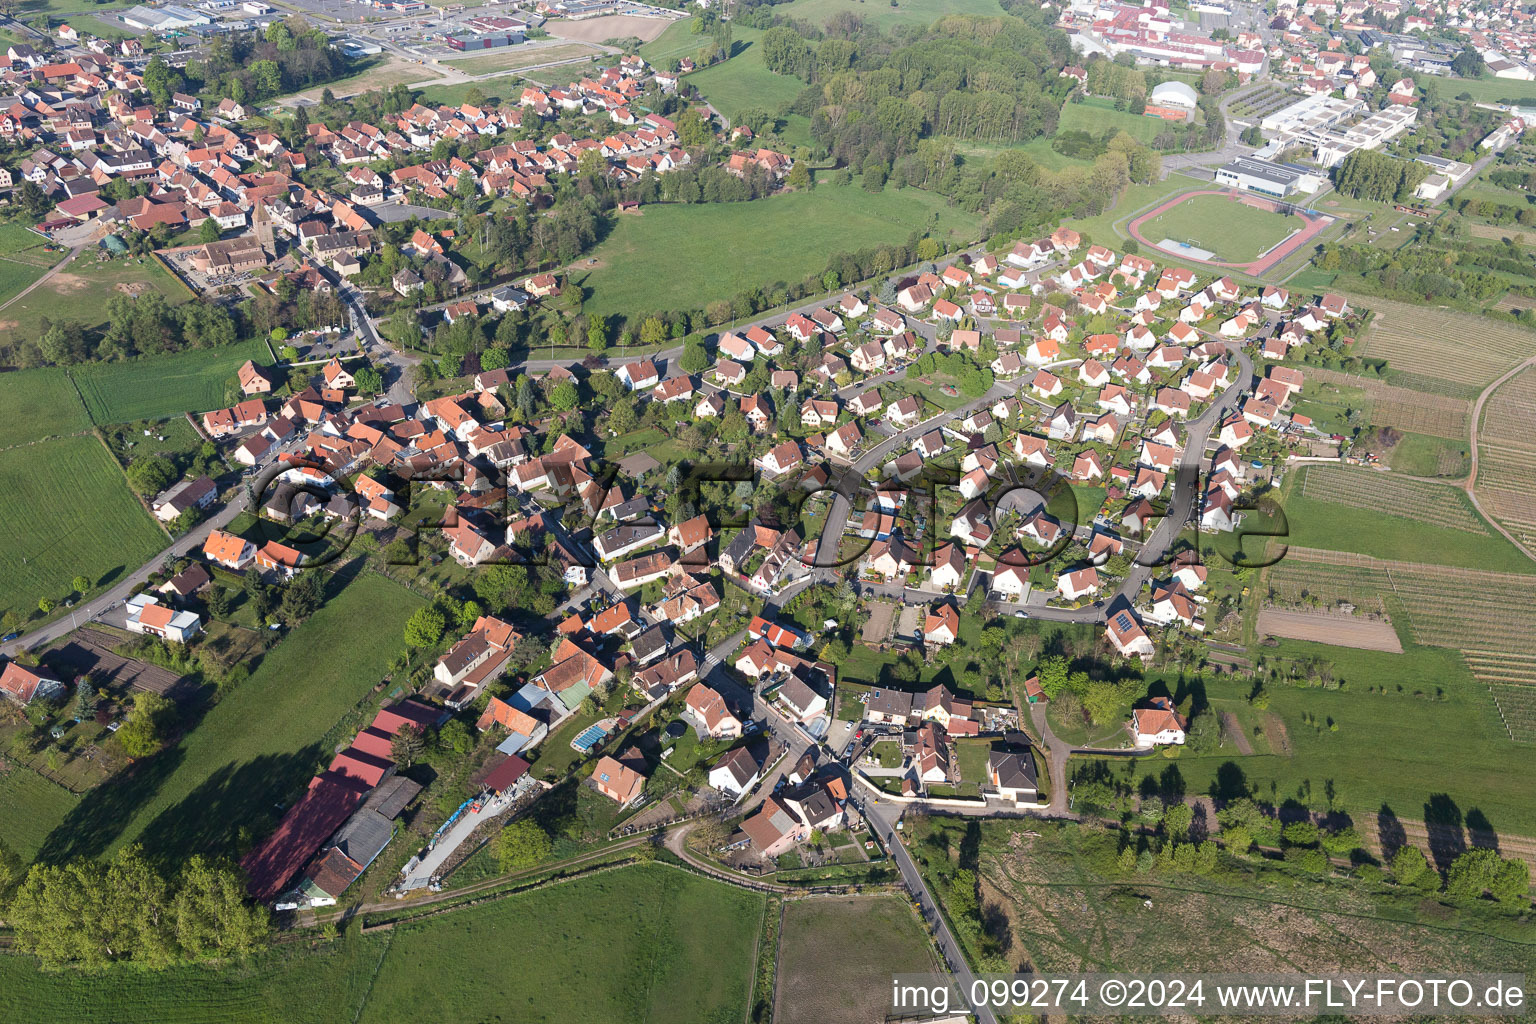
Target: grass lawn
x,y
505,90
835,956
1487,90
677,41
222,784
295,983
35,404
669,257
1338,527
644,943
972,753
887,15
68,511
1425,455
512,58
33,808
744,82
159,387
1234,232
1377,754
22,259
1098,116
80,293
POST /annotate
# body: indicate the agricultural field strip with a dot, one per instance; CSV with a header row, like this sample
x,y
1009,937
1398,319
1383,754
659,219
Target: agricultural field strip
x,y
1507,454
1417,412
1443,344
1488,616
1434,504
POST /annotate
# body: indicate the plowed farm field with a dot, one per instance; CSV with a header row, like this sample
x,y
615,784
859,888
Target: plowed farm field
x,y
1337,628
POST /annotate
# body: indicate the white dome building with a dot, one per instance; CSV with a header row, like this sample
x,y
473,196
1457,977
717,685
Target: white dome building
x,y
1174,96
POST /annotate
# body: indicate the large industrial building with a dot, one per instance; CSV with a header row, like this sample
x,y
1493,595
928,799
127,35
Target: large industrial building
x,y
1266,178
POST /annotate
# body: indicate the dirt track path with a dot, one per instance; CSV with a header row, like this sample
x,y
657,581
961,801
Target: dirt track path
x,y
76,251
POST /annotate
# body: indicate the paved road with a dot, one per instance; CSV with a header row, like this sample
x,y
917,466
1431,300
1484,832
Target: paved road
x,y
191,541
881,816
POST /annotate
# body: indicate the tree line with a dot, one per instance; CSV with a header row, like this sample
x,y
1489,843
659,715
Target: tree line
x,y
1368,174
89,914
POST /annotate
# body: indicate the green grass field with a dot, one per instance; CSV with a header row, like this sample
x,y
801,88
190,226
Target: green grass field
x,y
33,808
676,42
1487,90
35,404
80,293
887,15
669,257
645,943
163,386
1096,116
744,82
505,90
1334,526
67,510
223,782
1378,753
1234,232
835,954
1425,455
24,260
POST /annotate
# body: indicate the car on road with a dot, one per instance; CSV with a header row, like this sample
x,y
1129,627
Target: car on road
x,y
1021,614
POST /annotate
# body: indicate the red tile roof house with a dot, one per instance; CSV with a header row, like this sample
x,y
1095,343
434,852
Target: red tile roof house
x,y
23,685
617,781
707,709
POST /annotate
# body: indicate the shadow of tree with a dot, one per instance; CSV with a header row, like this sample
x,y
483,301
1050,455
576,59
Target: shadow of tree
x,y
232,809
1447,837
1390,832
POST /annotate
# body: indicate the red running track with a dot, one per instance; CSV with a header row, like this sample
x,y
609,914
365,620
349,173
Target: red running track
x,y
1256,268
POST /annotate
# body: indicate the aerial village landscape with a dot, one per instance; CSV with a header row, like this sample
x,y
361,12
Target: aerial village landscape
x,y
780,496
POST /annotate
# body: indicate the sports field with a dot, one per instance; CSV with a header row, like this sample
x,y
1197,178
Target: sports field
x,y
645,943
67,510
1442,351
835,954
1235,231
159,387
221,786
669,258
